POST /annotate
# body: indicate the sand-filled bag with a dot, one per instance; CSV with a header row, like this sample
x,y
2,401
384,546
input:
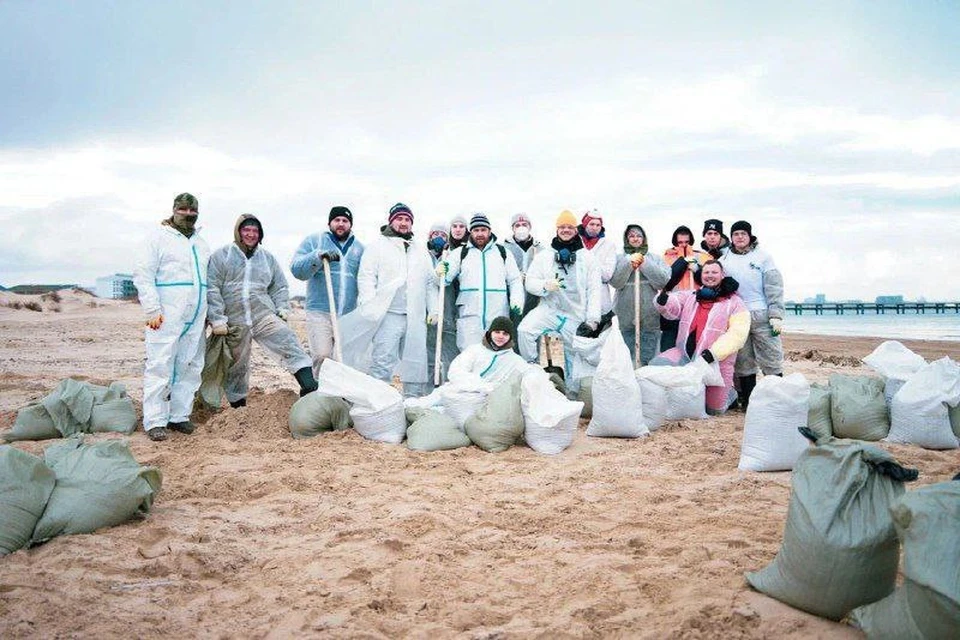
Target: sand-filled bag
x,y
839,547
858,409
617,399
497,425
316,413
919,413
778,407
818,411
25,487
927,604
383,425
434,431
550,420
98,485
585,395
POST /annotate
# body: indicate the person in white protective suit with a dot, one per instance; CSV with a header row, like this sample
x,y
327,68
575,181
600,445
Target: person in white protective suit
x,y
171,281
247,290
342,251
604,250
567,279
397,296
492,360
524,248
490,282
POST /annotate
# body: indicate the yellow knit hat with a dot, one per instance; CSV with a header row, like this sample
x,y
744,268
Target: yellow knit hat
x,y
566,217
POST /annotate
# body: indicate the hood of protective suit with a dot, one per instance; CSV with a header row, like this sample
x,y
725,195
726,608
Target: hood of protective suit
x,y
236,233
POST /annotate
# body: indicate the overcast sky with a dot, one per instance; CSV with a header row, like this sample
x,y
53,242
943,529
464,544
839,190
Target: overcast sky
x,y
833,127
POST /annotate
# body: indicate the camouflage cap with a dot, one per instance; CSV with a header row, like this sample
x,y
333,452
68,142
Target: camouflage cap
x,y
186,201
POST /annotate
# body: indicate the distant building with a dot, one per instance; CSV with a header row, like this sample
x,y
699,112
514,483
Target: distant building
x,y
889,300
820,298
119,285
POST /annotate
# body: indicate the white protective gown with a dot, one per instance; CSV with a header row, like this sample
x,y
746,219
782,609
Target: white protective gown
x,y
560,311
171,278
379,338
248,293
605,253
490,284
479,364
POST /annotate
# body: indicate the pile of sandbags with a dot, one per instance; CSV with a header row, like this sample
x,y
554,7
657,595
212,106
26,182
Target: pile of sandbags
x,y
927,604
617,410
839,547
376,408
76,488
896,364
771,440
75,407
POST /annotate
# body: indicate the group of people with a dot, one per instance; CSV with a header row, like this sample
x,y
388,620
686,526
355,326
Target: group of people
x,y
491,302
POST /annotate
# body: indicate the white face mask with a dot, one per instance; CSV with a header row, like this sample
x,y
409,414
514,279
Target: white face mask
x,y
521,233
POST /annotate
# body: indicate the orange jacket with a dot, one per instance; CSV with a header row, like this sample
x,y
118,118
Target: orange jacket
x,y
687,282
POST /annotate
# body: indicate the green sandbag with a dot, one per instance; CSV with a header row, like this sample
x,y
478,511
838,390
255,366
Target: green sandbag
x,y
25,487
857,407
33,423
113,410
216,361
98,485
435,431
839,547
818,411
586,397
497,425
954,419
70,405
927,604
316,413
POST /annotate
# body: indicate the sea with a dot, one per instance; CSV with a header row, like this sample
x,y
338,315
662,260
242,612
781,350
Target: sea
x,y
905,326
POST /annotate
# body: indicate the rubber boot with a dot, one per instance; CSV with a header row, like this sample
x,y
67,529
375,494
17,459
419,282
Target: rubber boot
x,y
308,384
236,404
747,383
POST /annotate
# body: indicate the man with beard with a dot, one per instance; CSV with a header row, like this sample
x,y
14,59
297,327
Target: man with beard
x,y
714,323
171,281
343,251
761,287
490,283
567,281
248,291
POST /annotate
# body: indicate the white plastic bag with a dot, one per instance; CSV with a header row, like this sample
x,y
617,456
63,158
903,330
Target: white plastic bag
x,y
617,399
461,405
388,424
356,387
584,358
778,407
685,393
550,420
919,412
654,403
893,360
686,403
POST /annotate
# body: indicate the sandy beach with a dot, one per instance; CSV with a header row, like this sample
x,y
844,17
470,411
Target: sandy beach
x,y
255,534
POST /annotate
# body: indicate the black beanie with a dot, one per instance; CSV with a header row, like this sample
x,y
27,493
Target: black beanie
x,y
713,225
501,323
337,212
743,225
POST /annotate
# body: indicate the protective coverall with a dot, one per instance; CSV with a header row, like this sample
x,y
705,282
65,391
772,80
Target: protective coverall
x,y
249,291
171,279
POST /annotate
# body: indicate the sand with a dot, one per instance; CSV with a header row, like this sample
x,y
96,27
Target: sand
x,y
255,534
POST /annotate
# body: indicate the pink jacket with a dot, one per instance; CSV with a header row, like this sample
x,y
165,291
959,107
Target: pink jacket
x,y
728,326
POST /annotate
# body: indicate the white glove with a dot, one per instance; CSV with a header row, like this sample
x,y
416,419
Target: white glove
x,y
776,326
219,329
283,313
551,285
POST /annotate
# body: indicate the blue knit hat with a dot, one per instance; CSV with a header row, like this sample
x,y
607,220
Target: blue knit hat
x,y
399,209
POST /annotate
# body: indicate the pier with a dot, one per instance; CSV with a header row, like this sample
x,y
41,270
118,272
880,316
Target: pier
x,y
860,308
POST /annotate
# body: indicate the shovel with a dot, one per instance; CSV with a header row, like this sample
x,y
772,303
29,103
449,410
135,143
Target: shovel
x,y
338,350
550,368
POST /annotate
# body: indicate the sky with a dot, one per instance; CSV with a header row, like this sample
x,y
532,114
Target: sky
x,y
832,127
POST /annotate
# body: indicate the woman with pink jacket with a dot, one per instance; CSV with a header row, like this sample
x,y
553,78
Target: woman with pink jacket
x,y
714,324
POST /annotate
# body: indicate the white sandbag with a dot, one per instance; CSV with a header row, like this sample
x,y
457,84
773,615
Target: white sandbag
x,y
890,388
778,407
383,425
686,403
356,387
617,399
893,360
919,412
462,405
550,420
584,358
686,375
685,393
654,403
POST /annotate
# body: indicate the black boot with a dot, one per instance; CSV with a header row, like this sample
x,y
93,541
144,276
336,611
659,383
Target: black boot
x,y
236,404
747,383
308,384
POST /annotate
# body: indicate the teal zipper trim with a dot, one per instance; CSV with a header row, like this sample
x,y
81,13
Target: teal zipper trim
x,y
490,366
